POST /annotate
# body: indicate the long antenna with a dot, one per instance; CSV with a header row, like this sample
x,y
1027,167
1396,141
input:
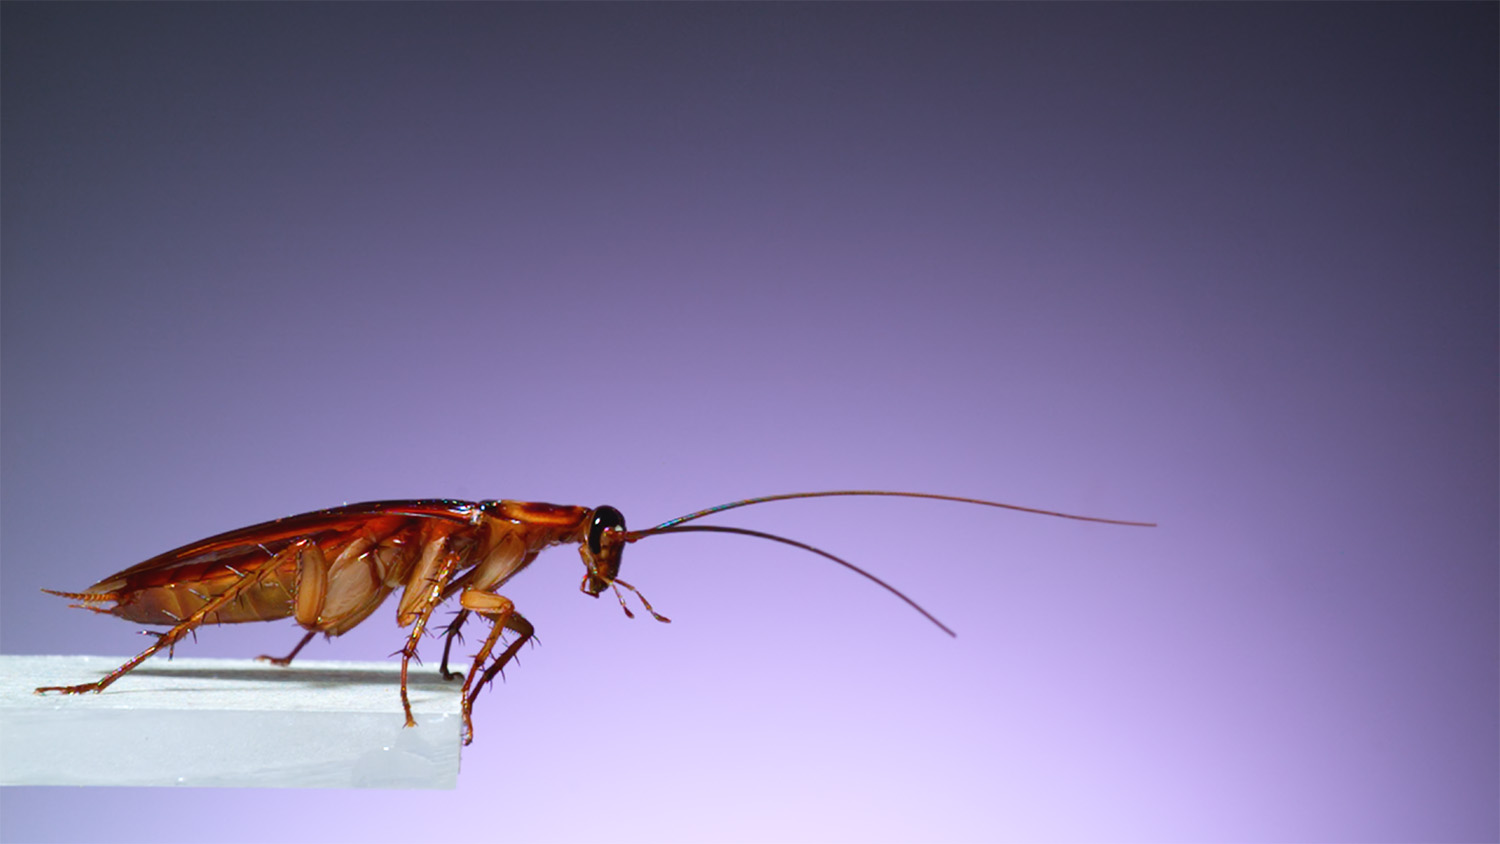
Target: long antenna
x,y
639,534
745,502
678,525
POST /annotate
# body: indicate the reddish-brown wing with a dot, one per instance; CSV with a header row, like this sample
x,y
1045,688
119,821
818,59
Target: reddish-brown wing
x,y
185,577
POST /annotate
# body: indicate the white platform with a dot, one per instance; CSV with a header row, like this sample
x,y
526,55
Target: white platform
x,y
221,722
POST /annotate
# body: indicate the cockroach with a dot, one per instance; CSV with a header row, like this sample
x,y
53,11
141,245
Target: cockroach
x,y
331,569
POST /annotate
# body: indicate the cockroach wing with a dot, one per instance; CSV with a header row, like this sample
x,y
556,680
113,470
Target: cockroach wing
x,y
163,588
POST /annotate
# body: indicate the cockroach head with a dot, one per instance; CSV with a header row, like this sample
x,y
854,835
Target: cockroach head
x,y
602,548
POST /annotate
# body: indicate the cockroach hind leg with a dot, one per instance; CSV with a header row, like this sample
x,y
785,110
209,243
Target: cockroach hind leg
x,y
168,639
71,690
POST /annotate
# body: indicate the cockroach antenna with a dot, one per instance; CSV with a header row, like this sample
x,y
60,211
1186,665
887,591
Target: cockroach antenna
x,y
678,525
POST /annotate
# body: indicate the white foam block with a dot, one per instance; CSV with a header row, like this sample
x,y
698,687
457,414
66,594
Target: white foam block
x,y
222,722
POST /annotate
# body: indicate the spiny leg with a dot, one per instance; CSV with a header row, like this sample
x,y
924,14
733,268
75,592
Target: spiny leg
x,y
167,639
500,612
525,633
501,615
428,603
287,660
450,633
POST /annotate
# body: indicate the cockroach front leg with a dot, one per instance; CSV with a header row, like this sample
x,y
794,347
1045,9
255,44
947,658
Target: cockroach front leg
x,y
503,616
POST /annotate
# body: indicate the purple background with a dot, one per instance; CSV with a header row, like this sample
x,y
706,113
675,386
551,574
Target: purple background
x,y
1228,267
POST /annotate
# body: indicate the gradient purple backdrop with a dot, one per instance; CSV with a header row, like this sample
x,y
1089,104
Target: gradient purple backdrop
x,y
1228,267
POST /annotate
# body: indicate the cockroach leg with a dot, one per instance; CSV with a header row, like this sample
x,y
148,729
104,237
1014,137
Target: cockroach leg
x,y
504,617
287,660
165,640
428,603
498,609
450,633
525,633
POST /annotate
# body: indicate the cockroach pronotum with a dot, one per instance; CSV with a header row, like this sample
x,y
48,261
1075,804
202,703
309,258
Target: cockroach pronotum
x,y
332,568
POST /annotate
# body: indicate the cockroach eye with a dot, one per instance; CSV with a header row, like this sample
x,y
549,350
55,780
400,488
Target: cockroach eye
x,y
605,518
